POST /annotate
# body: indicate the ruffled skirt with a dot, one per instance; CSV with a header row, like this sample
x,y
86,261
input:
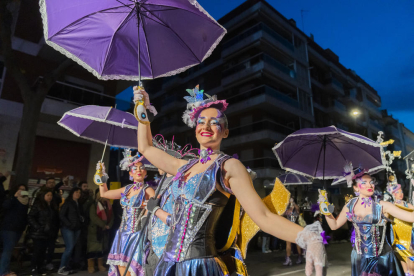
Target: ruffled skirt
x,y
212,266
121,251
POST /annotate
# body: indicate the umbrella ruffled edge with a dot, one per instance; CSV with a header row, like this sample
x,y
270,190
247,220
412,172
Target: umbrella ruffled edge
x,y
94,140
98,120
63,51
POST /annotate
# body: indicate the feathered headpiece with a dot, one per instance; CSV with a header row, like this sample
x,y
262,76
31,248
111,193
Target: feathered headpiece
x,y
174,149
128,161
196,103
350,173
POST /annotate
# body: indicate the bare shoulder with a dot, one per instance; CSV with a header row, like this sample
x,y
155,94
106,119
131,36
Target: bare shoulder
x,y
233,165
150,191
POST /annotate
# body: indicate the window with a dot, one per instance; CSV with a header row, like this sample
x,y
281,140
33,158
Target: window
x,y
2,75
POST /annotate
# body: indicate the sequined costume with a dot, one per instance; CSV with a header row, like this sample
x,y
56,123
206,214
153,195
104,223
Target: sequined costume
x,y
402,235
128,234
191,249
372,255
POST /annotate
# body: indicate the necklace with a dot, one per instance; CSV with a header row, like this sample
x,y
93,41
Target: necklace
x,y
366,201
205,154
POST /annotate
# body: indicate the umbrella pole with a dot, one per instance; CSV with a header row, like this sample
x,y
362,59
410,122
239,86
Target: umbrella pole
x,y
106,143
324,158
139,46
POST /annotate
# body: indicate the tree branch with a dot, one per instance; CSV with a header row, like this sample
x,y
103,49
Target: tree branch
x,y
6,22
54,75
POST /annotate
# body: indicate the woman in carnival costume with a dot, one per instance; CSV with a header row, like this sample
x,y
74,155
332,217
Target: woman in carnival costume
x,y
371,254
132,198
201,189
402,238
159,230
292,214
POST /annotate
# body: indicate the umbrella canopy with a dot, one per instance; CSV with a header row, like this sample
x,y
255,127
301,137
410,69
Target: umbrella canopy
x,y
294,179
322,152
131,39
102,124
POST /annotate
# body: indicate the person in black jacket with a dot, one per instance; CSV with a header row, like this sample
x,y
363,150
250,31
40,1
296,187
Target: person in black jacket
x,y
72,220
13,224
44,225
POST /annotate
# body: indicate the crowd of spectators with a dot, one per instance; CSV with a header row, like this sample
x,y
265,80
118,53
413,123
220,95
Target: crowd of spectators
x,y
33,223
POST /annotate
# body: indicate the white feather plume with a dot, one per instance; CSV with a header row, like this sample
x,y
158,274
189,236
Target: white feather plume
x,y
349,173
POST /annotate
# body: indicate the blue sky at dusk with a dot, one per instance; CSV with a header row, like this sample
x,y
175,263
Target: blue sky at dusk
x,y
373,37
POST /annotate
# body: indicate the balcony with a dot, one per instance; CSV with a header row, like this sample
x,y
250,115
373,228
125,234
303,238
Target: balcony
x,y
77,95
263,90
375,124
254,65
260,131
253,34
373,108
339,107
335,87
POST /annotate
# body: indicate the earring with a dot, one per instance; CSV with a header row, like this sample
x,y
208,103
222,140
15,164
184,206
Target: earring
x,y
356,193
145,176
131,178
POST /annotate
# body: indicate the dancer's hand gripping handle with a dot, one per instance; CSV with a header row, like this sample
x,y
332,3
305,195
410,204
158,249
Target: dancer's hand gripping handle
x,y
141,100
324,206
100,176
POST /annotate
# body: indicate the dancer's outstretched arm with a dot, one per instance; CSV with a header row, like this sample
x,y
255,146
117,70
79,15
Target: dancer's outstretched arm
x,y
103,189
336,223
157,157
240,183
396,212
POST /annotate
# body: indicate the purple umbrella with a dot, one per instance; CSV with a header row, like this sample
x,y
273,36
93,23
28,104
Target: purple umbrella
x,y
107,36
293,179
102,124
322,152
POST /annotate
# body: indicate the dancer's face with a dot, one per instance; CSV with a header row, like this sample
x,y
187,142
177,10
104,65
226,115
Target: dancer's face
x,y
138,172
399,195
365,185
211,129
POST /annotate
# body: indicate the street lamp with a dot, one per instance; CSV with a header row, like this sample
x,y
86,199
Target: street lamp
x,y
355,113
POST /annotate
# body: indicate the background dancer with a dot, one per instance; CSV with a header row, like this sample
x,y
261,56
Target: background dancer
x,y
133,198
371,255
201,190
402,230
292,214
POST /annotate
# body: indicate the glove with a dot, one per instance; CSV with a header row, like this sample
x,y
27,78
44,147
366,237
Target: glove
x,y
141,95
153,204
311,240
324,206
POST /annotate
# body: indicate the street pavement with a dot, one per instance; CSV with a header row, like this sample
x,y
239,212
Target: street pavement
x,y
260,264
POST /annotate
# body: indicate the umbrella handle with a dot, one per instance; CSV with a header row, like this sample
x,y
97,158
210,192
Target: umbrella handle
x,y
140,113
97,178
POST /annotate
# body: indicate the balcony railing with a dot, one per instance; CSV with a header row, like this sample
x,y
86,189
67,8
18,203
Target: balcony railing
x,y
376,124
339,105
255,60
260,126
262,90
372,105
82,96
259,27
